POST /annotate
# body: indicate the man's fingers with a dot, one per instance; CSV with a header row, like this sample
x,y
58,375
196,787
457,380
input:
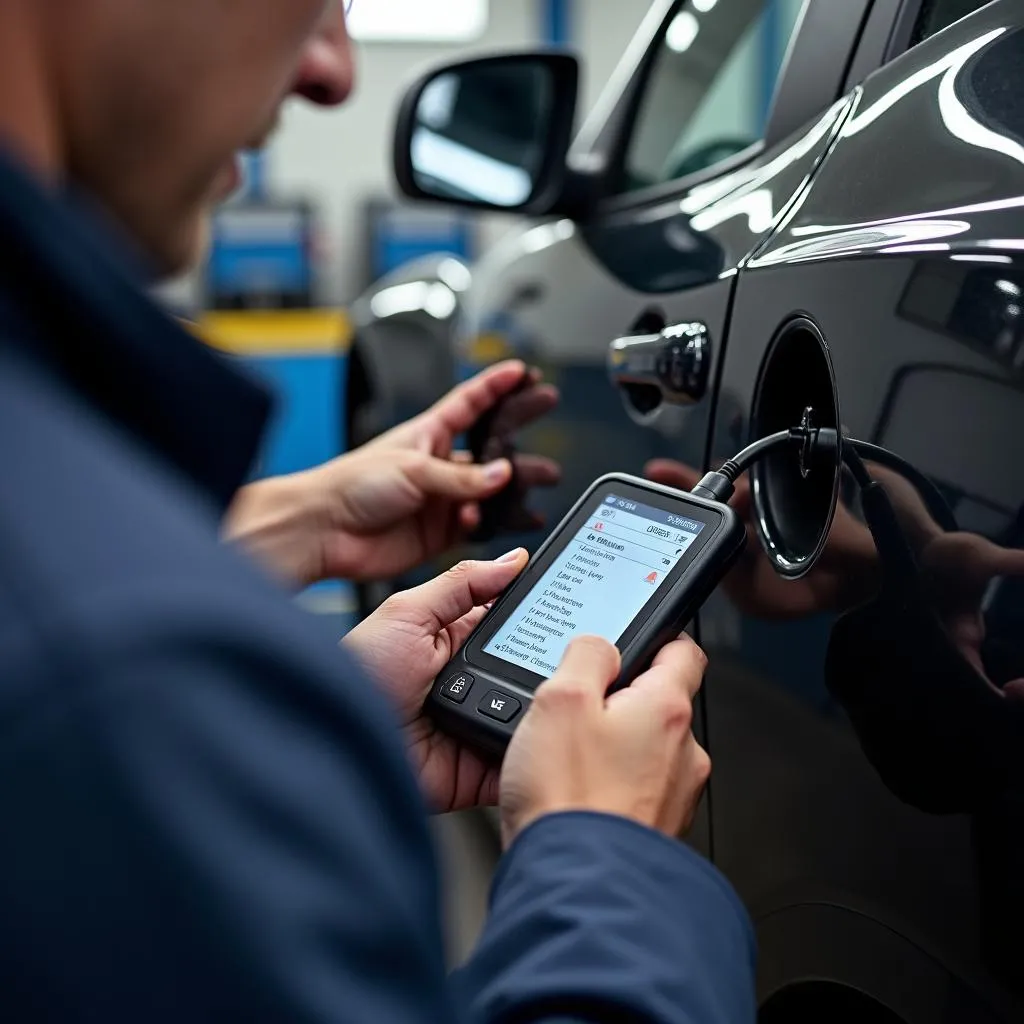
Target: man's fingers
x,y
684,647
465,404
523,408
991,560
457,592
537,471
1014,690
588,667
456,480
682,662
459,631
532,470
490,789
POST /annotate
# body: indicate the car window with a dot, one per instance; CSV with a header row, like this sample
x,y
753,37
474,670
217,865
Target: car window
x,y
709,90
935,15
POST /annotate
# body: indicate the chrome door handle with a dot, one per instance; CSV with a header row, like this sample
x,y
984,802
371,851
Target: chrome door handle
x,y
677,362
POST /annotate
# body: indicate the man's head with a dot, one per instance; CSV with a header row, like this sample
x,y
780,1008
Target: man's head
x,y
153,99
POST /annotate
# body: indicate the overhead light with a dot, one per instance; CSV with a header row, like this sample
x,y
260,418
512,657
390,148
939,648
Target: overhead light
x,y
396,21
682,32
703,6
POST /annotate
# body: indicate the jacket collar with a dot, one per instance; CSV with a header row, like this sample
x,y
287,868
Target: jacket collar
x,y
83,312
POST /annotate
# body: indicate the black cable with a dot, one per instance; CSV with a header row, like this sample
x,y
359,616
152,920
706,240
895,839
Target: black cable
x,y
930,494
855,464
756,451
720,484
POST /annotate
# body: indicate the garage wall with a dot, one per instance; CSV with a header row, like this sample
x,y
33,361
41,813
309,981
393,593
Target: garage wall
x,y
342,157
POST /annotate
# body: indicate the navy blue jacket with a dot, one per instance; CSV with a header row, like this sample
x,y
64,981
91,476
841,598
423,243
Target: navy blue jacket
x,y
205,809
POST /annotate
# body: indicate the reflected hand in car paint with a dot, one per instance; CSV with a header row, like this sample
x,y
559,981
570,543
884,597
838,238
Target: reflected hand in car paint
x,y
956,568
845,574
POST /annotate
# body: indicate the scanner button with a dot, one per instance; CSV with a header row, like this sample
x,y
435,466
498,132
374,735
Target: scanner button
x,y
457,687
500,706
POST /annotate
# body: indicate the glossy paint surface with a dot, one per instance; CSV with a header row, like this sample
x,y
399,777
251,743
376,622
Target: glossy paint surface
x,y
868,729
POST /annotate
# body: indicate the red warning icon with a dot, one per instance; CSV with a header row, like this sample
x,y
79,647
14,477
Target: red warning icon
x,y
653,578
598,526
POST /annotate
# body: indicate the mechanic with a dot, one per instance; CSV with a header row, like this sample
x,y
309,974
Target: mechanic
x,y
208,810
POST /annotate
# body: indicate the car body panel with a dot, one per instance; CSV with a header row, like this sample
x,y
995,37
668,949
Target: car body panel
x,y
904,271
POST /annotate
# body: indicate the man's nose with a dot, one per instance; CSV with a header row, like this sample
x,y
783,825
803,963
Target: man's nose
x,y
326,73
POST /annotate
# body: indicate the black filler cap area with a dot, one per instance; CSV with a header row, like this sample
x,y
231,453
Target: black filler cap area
x,y
795,490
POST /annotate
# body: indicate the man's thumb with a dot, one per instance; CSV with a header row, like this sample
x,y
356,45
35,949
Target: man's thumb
x,y
465,587
588,667
459,481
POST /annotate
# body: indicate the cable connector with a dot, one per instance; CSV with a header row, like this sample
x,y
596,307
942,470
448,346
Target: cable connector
x,y
715,487
720,484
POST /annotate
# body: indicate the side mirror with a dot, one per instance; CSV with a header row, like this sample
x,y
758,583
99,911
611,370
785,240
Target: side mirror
x,y
493,133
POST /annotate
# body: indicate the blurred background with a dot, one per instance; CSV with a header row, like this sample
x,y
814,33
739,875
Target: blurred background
x,y
334,168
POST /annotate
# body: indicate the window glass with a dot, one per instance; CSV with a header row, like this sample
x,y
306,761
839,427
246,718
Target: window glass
x,y
710,88
939,14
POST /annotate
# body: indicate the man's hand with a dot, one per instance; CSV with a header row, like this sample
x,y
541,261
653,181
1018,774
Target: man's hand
x,y
632,754
406,642
396,502
434,432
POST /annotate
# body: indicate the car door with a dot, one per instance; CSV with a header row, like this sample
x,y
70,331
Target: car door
x,y
691,186
868,795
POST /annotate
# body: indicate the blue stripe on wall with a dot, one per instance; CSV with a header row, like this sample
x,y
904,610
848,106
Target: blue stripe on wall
x,y
307,430
556,20
308,424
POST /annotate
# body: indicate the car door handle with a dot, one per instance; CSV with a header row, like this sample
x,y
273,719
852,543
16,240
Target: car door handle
x,y
677,362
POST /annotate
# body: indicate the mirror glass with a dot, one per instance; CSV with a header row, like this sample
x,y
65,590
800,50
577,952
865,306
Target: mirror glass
x,y
480,132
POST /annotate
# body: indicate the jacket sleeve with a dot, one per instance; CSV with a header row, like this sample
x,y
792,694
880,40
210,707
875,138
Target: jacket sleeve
x,y
595,918
215,822
209,818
